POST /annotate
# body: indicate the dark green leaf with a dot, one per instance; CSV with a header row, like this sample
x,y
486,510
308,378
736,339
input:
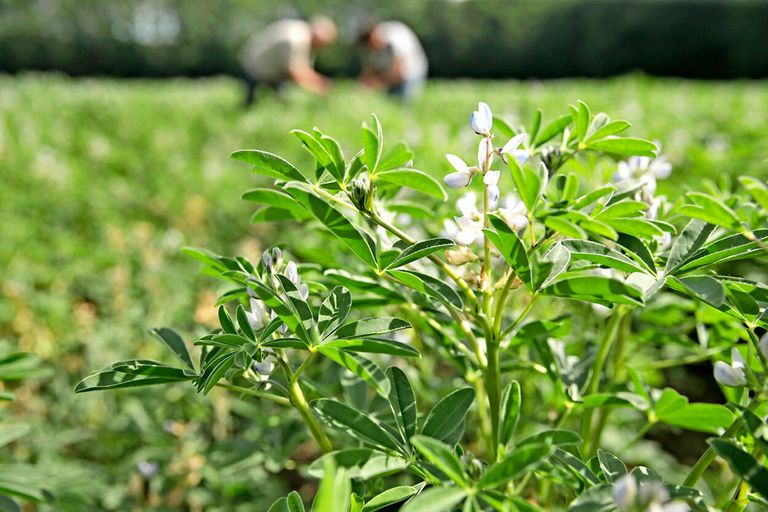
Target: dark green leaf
x,y
435,499
402,401
441,455
430,286
511,248
354,423
175,344
448,413
598,289
420,250
521,460
510,412
268,164
334,310
602,255
360,366
415,179
390,497
613,468
743,464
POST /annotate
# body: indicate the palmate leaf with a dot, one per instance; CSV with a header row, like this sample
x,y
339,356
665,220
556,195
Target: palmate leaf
x,y
283,311
358,242
268,164
360,366
315,148
441,455
415,179
297,302
449,412
402,401
354,423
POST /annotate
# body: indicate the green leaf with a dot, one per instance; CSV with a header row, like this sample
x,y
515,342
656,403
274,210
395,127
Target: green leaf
x,y
710,209
757,188
555,437
743,464
610,128
624,146
360,463
435,499
132,374
582,120
374,346
528,181
510,412
370,327
297,302
268,164
354,423
360,366
729,248
590,197
373,141
598,289
430,286
358,242
420,250
333,149
175,344
243,323
215,371
13,432
553,129
705,288
551,265
598,227
277,199
335,490
315,148
334,310
623,208
415,210
535,125
449,412
565,227
291,503
441,455
521,460
595,252
511,248
613,468
574,465
415,179
693,237
402,401
396,156
390,497
673,408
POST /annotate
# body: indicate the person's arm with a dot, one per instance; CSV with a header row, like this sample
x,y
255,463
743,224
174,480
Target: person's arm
x,y
370,77
396,72
309,79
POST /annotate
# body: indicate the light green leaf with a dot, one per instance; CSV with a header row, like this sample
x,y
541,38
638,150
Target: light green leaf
x,y
435,499
420,250
595,252
390,497
521,460
277,199
335,490
396,156
553,129
370,327
610,128
269,164
374,346
598,289
511,248
430,286
729,248
415,179
613,468
757,188
373,141
624,146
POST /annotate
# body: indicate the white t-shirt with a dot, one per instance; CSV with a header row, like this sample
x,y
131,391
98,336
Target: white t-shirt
x,y
402,45
268,55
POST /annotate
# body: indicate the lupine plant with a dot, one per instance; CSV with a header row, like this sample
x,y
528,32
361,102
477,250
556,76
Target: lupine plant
x,y
474,361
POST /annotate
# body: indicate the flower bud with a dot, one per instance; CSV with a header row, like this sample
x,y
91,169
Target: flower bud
x,y
625,492
266,260
359,192
460,256
552,157
728,375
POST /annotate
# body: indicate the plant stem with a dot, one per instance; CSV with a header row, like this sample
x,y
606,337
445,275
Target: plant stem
x,y
300,403
281,400
493,388
511,327
593,383
502,301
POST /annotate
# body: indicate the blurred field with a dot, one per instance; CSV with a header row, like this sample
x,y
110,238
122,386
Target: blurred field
x,y
103,181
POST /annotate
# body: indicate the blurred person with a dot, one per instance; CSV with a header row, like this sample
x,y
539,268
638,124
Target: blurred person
x,y
283,52
393,59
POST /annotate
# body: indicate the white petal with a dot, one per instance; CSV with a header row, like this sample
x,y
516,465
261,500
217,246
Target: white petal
x,y
292,273
625,492
457,163
513,143
737,360
466,237
304,291
485,151
520,155
491,178
482,119
467,205
467,224
458,180
726,375
493,193
763,345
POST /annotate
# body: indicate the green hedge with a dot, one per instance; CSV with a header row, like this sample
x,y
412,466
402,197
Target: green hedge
x,y
480,38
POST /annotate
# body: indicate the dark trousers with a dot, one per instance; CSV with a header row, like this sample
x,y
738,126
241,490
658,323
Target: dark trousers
x,y
252,85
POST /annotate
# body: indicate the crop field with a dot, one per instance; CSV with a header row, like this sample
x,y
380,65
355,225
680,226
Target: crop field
x,y
102,182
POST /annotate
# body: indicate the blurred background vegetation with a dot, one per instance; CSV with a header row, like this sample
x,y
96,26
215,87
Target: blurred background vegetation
x,y
509,38
105,179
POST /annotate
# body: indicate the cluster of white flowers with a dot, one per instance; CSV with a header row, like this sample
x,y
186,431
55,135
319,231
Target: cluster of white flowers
x,y
468,227
260,315
629,495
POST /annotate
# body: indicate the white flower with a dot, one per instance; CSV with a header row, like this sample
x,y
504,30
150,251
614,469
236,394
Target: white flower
x,y
257,316
469,230
292,273
625,492
263,368
482,119
467,205
731,374
468,227
511,149
463,175
763,345
514,213
485,152
491,180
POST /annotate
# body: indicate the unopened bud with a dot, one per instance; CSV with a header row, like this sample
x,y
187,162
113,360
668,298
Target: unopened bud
x,y
266,260
359,192
460,256
552,158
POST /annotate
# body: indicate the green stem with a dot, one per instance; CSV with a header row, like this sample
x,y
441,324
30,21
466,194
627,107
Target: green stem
x,y
281,400
756,346
593,383
493,388
502,301
519,319
300,403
